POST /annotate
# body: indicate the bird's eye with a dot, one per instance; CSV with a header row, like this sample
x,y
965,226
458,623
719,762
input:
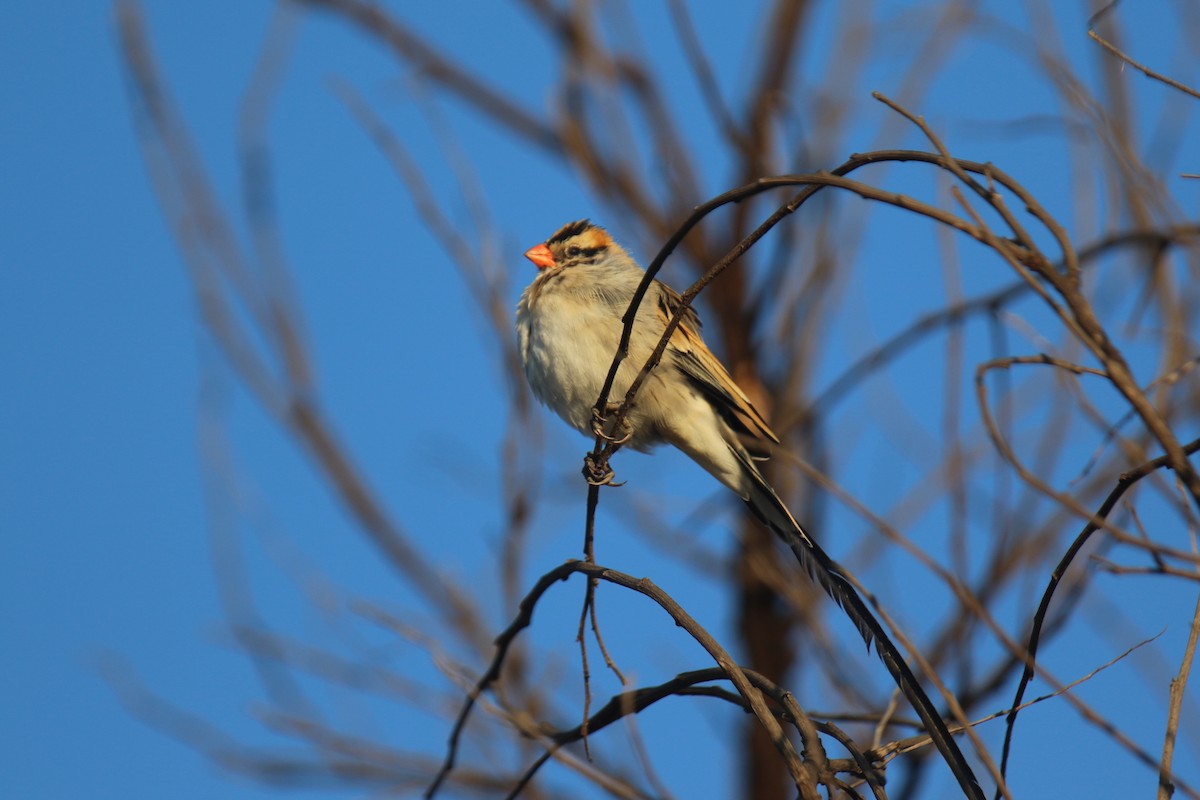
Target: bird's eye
x,y
573,251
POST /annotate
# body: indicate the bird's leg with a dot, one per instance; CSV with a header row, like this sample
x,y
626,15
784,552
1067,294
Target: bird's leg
x,y
600,424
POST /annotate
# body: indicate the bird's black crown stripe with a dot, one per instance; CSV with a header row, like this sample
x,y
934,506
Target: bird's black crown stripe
x,y
569,230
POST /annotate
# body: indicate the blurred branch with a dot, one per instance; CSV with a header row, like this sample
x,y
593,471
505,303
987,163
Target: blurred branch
x,y
487,283
412,49
706,80
338,759
215,260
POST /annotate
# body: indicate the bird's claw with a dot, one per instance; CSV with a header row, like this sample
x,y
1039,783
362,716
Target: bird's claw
x,y
600,422
597,472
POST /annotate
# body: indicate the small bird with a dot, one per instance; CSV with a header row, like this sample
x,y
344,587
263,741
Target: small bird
x,y
569,324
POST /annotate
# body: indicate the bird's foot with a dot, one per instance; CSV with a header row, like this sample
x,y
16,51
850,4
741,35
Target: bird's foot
x,y
600,425
597,472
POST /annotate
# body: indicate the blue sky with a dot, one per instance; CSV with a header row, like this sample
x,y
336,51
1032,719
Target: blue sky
x,y
132,461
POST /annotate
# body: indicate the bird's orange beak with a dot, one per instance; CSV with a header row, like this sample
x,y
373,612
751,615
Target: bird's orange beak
x,y
541,256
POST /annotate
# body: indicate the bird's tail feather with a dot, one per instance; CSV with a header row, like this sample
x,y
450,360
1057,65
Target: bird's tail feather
x,y
767,506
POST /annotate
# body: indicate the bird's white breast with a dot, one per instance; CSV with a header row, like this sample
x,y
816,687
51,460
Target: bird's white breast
x,y
566,349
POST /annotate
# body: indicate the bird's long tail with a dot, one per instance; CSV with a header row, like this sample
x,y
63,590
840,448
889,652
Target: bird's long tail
x,y
767,506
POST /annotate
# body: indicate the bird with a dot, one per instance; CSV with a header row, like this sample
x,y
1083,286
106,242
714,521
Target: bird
x,y
569,326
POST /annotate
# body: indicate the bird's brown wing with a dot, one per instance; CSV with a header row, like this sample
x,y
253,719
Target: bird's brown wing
x,y
701,367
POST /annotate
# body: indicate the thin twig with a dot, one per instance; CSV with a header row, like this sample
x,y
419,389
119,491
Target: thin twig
x,y
1178,685
1149,73
1127,480
737,676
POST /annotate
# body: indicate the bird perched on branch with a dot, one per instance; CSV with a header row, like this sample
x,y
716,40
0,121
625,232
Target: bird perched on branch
x,y
569,325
